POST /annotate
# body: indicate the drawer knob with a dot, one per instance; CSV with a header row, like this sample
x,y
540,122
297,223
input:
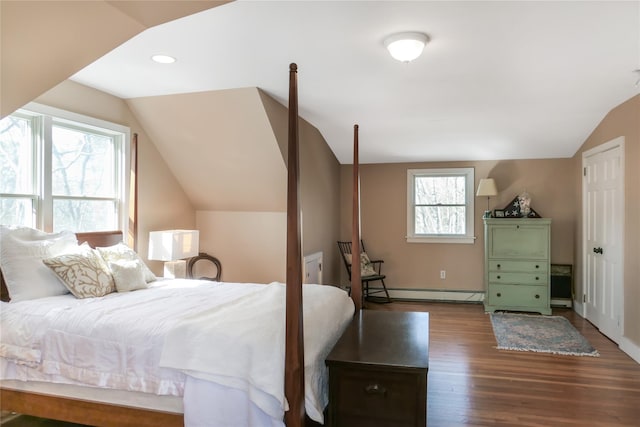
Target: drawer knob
x,y
375,389
498,265
537,278
498,277
537,266
537,296
498,294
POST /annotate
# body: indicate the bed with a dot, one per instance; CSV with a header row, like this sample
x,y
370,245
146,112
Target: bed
x,y
99,405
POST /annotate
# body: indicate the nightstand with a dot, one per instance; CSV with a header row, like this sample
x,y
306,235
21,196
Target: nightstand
x,y
378,371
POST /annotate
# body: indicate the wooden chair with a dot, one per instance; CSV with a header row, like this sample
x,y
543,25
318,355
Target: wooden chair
x,y
345,249
204,257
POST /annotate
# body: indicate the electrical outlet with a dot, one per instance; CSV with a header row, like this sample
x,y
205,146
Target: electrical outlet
x,y
443,274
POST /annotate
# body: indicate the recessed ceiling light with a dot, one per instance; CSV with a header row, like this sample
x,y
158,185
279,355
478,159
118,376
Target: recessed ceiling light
x,y
163,59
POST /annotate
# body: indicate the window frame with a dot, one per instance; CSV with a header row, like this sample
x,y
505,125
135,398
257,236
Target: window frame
x,y
469,236
43,118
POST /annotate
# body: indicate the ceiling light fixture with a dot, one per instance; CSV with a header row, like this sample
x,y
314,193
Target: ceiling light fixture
x,y
405,47
163,59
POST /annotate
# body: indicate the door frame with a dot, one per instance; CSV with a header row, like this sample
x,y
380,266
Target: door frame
x,y
618,142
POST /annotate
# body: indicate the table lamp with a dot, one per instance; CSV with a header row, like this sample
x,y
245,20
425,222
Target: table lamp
x,y
487,187
173,246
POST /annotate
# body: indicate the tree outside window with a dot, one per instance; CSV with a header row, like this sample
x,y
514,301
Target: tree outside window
x,y
440,205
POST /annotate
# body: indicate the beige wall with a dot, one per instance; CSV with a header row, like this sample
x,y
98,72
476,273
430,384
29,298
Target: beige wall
x,y
164,204
624,120
319,188
161,202
551,184
251,246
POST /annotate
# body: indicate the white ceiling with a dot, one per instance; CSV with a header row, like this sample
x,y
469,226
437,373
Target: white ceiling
x,y
499,80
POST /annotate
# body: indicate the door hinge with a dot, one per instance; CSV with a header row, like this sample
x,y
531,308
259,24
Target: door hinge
x,y
319,266
584,171
584,297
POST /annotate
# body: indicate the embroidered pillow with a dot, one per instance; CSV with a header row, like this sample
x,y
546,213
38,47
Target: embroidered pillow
x,y
21,252
122,252
85,274
366,267
128,275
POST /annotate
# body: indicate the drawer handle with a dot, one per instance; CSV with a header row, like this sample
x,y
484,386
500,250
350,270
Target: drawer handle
x,y
537,296
375,389
498,294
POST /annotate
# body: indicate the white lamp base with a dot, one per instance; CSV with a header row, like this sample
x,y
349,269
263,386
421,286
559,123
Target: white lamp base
x,y
175,269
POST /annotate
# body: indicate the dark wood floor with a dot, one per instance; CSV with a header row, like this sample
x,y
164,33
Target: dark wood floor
x,y
473,384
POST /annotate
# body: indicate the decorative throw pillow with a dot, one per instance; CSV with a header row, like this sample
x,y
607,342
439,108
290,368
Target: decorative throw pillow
x,y
122,252
366,267
21,252
128,275
85,274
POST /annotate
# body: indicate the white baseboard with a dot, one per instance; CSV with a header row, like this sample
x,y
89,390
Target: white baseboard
x,y
626,345
561,303
578,307
631,348
433,295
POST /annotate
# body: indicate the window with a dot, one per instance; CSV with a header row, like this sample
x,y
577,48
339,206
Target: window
x,y
62,171
440,205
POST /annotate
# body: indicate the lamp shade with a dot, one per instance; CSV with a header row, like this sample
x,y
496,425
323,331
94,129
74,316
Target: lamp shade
x,y
172,245
405,47
487,187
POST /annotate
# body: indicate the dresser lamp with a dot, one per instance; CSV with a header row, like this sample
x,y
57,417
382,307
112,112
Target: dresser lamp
x,y
487,187
173,246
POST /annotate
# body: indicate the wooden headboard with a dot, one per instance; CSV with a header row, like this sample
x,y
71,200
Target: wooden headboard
x,y
94,239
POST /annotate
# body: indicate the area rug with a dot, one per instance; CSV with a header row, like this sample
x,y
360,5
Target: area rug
x,y
543,334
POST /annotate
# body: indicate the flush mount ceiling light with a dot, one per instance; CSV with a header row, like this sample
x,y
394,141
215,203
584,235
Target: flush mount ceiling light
x,y
405,47
163,59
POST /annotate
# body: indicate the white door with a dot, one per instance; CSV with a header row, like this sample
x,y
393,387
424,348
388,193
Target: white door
x,y
603,216
312,272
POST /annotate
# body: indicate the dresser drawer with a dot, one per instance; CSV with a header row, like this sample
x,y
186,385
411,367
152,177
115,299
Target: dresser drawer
x,y
523,240
513,296
518,278
374,397
519,266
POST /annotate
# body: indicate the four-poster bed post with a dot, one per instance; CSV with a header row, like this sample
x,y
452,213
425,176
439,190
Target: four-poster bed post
x,y
133,195
106,414
356,279
294,344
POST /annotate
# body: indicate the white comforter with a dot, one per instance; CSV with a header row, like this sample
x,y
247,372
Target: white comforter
x,y
118,341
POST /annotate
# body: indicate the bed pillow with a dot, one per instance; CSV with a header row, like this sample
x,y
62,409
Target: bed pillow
x,y
128,275
366,267
21,252
85,274
122,252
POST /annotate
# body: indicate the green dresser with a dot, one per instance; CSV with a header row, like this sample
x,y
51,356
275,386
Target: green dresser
x,y
517,256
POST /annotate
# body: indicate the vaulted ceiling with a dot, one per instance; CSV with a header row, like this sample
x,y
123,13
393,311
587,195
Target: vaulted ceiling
x,y
498,80
45,42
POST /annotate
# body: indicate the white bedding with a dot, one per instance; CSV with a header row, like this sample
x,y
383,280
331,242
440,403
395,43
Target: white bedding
x,y
116,341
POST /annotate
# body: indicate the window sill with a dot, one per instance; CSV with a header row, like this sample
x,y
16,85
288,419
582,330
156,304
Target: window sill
x,y
468,240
